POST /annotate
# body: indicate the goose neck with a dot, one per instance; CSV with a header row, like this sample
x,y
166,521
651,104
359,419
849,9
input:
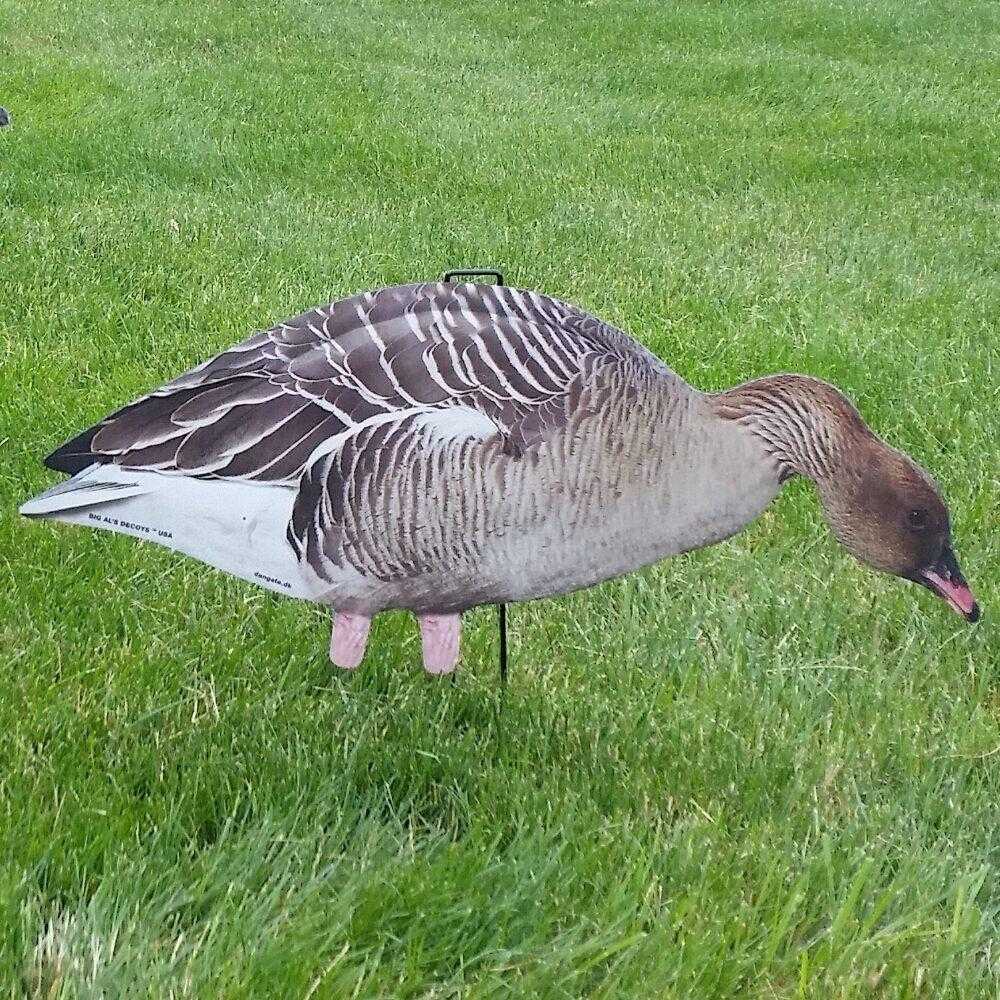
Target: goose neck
x,y
807,425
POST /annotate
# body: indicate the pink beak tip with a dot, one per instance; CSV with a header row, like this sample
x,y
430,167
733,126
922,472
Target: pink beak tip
x,y
955,592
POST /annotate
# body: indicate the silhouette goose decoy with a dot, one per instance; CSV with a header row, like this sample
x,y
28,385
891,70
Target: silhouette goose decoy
x,y
438,446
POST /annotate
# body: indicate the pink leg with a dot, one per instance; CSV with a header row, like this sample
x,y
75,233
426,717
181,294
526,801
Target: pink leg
x,y
440,641
350,636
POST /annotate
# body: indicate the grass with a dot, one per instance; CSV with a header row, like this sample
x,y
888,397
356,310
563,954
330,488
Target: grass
x,y
757,771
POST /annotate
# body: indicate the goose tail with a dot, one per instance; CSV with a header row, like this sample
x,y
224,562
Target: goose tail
x,y
234,526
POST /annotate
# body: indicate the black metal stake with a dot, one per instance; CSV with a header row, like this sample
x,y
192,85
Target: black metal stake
x,y
502,608
497,277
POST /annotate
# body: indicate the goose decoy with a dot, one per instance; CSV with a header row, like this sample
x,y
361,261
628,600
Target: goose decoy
x,y
434,447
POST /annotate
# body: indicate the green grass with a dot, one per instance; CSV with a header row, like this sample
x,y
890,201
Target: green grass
x,y
758,771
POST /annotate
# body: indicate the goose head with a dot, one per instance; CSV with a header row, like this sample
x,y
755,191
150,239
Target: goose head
x,y
889,514
881,506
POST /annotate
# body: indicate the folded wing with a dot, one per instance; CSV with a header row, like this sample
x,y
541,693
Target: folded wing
x,y
261,409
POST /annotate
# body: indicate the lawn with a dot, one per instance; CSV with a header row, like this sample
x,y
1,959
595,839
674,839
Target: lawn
x,y
757,771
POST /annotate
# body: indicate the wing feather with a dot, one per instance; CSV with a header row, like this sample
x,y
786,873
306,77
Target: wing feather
x,y
261,409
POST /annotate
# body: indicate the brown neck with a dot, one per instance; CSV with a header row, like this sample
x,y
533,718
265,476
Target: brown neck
x,y
806,424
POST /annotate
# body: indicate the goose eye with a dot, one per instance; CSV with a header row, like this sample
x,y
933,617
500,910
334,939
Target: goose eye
x,y
917,519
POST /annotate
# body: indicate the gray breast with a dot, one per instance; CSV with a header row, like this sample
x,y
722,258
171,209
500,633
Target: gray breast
x,y
436,513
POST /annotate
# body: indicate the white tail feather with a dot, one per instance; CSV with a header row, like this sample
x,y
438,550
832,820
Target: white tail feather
x,y
235,526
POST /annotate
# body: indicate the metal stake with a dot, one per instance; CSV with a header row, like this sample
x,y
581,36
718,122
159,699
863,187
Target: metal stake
x,y
497,277
502,620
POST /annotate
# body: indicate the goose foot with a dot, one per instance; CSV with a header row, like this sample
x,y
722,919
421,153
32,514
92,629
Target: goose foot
x,y
439,635
349,638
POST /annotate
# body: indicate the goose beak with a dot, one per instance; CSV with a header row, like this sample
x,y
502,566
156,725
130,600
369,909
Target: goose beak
x,y
946,580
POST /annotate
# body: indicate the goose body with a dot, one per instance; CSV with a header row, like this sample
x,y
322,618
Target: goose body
x,y
438,446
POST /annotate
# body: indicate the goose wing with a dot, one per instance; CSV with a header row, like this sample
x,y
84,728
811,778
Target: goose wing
x,y
259,410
